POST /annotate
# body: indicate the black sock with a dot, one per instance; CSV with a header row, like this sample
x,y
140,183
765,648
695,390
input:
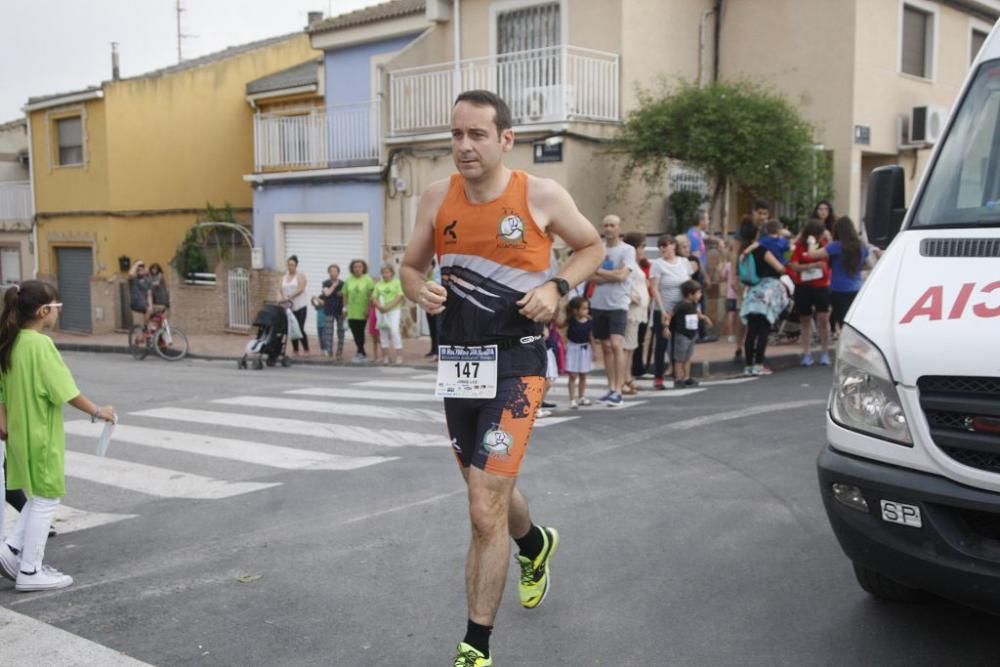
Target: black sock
x,y
478,637
531,544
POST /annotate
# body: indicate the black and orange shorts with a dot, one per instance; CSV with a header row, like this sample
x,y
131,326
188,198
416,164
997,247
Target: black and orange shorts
x,y
492,433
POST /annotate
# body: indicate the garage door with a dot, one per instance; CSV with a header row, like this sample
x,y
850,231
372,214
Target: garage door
x,y
318,245
74,267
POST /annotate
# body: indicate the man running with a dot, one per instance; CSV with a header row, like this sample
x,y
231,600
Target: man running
x,y
491,229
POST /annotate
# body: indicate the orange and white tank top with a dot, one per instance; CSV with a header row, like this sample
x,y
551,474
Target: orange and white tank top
x,y
490,255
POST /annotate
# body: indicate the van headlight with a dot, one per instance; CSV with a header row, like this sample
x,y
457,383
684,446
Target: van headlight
x,y
864,397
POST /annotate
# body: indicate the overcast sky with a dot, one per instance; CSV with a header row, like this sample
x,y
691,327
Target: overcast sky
x,y
54,46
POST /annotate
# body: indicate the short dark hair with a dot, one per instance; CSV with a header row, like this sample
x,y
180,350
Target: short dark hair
x,y
689,287
634,239
333,266
363,263
773,226
666,239
761,204
294,258
484,98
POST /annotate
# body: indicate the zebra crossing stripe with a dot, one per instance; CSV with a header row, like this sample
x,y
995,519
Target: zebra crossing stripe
x,y
552,421
257,453
363,395
153,481
335,408
429,386
28,641
289,427
69,519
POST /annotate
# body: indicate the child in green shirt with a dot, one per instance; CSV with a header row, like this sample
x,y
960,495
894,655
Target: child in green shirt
x,y
34,384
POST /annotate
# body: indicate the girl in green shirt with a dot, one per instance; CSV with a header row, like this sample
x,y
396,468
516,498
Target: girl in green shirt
x,y
34,384
357,299
388,297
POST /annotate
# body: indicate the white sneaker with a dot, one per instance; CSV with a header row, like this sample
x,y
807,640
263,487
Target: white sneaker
x,y
8,562
44,578
541,413
573,405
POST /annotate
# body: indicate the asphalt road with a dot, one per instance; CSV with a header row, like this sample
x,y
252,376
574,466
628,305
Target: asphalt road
x,y
692,529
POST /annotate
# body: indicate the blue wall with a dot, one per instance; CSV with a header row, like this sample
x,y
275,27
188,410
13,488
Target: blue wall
x,y
317,197
349,70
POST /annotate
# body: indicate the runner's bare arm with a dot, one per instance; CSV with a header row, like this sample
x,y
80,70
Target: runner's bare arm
x,y
420,251
554,209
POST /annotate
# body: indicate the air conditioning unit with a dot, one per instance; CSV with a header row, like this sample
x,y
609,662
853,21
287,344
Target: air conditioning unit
x,y
927,124
549,103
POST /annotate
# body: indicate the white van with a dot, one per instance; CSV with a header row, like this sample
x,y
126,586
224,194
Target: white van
x,y
910,476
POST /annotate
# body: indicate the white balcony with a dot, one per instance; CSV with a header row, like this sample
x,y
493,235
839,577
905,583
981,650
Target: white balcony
x,y
15,202
555,84
342,136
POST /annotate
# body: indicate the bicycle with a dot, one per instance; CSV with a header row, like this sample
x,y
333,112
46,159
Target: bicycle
x,y
169,342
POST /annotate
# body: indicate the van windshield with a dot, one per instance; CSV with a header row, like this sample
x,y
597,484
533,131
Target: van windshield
x,y
964,185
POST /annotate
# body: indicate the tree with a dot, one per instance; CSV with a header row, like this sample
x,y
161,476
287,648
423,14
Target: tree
x,y
734,132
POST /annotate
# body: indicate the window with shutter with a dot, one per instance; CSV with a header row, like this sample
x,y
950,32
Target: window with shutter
x,y
917,38
528,59
70,135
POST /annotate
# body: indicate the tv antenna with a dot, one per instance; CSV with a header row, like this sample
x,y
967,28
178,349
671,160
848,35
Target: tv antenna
x,y
181,36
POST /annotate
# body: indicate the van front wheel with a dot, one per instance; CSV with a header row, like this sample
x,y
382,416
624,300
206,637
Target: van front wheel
x,y
882,587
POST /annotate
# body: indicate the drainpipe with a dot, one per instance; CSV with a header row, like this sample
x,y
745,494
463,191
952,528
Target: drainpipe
x,y
718,40
456,31
701,46
34,208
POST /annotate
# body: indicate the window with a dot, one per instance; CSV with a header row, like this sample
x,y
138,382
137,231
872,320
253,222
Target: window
x,y
10,266
976,43
70,135
916,55
529,63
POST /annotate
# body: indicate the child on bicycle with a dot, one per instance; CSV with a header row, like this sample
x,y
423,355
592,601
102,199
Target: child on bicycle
x,y
34,384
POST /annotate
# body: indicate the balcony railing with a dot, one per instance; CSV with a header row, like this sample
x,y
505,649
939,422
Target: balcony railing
x,y
15,201
344,135
554,84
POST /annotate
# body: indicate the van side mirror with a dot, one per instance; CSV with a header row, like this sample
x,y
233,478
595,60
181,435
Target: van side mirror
x,y
886,204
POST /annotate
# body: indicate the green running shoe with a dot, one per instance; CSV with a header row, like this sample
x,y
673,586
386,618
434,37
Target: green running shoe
x,y
535,575
470,657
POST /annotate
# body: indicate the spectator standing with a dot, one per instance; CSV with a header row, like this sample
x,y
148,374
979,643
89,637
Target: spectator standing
x,y
388,301
824,213
640,357
609,304
638,310
357,298
333,311
760,214
684,330
667,275
579,352
763,301
158,289
812,291
731,281
293,290
773,238
139,286
847,255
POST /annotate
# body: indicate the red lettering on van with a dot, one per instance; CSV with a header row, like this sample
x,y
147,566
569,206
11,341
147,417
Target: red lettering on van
x,y
928,305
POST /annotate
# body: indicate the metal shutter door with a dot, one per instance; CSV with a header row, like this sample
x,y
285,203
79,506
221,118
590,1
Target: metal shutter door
x,y
318,246
74,266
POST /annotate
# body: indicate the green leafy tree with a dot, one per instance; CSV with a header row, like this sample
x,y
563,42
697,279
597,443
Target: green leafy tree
x,y
735,132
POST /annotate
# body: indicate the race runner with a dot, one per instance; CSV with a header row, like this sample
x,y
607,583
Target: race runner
x,y
491,229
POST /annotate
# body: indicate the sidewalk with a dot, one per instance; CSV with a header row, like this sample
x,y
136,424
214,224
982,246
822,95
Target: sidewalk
x,y
710,359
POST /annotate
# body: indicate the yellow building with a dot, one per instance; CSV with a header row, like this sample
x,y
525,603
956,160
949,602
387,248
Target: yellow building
x,y
124,169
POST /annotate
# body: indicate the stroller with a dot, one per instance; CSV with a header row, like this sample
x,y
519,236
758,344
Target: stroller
x,y
271,343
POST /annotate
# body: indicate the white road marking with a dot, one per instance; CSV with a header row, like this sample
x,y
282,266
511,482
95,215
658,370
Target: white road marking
x,y
257,453
362,395
712,383
687,424
552,421
152,480
69,519
335,408
26,641
667,393
398,384
292,427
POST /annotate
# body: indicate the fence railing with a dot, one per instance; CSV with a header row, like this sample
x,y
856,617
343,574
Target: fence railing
x,y
340,136
239,299
558,83
15,201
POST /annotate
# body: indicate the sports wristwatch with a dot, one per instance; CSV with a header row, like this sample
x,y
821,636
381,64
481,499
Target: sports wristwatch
x,y
561,285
